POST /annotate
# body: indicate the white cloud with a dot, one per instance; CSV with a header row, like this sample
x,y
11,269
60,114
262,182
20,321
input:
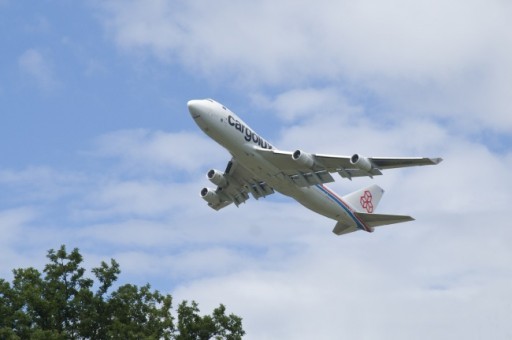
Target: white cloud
x,y
20,244
11,222
156,151
152,30
137,198
37,183
278,265
447,59
34,64
397,79
347,287
309,104
414,280
327,123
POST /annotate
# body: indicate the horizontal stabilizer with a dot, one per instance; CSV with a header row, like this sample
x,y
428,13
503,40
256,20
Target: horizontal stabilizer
x,y
370,220
376,220
342,228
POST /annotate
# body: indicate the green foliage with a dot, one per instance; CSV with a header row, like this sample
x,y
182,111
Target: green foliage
x,y
60,304
219,326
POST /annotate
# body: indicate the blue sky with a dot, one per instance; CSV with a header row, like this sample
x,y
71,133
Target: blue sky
x,y
99,152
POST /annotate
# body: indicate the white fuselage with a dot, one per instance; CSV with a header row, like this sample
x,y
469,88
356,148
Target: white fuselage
x,y
234,135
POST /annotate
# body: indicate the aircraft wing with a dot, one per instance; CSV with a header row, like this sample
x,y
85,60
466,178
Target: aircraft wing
x,y
238,183
310,169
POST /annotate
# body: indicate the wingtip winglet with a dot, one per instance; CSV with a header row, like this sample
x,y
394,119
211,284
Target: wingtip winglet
x,y
436,161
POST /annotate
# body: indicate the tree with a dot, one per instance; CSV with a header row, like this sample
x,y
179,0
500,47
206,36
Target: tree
x,y
193,326
62,305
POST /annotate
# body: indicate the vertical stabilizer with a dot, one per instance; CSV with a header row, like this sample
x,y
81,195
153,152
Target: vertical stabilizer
x,y
365,200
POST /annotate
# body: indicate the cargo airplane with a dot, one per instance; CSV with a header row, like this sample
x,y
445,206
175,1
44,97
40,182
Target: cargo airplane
x,y
258,168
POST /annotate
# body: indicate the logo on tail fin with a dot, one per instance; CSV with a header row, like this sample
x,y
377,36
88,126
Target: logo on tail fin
x,y
366,201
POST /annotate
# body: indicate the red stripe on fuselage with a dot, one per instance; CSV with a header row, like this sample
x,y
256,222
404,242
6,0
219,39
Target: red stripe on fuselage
x,y
349,209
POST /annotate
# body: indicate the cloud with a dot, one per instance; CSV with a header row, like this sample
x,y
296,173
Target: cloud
x,y
11,221
276,263
348,130
323,120
155,151
330,287
152,29
36,66
436,58
137,198
308,104
417,279
20,244
391,79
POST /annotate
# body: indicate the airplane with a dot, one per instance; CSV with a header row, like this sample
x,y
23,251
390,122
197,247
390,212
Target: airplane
x,y
259,168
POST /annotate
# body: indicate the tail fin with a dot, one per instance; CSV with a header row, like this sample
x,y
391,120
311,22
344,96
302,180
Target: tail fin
x,y
365,200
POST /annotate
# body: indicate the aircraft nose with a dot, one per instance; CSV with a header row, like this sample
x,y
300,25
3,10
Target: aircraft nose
x,y
197,108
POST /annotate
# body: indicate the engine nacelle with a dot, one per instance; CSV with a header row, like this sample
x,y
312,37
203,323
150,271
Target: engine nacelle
x,y
210,196
216,177
305,159
361,162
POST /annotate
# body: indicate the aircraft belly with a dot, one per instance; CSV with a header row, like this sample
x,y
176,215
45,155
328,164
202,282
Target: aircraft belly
x,y
315,200
263,170
310,197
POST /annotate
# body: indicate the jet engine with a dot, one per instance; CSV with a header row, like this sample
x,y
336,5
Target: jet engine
x,y
305,159
361,162
216,177
210,196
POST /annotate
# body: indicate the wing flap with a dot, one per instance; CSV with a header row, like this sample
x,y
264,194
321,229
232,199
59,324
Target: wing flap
x,y
311,178
258,189
220,205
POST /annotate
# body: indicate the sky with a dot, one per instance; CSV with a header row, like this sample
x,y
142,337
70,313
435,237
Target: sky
x,y
99,152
